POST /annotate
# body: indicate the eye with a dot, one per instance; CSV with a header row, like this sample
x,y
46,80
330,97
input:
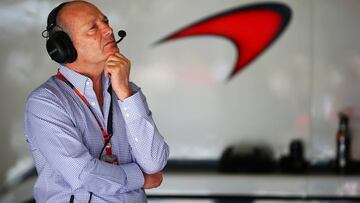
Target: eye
x,y
92,30
106,20
92,27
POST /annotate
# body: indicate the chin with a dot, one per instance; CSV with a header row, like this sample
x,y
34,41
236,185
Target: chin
x,y
111,52
114,50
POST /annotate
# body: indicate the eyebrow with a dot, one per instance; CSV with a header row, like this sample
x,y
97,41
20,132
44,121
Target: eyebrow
x,y
90,22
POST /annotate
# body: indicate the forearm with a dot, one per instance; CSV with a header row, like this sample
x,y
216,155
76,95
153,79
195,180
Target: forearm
x,y
80,169
148,146
60,144
103,178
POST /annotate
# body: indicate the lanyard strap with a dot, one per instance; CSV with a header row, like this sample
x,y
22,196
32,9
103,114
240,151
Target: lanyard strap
x,y
106,134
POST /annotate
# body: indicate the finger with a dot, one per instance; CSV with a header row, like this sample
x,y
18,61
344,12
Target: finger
x,y
113,68
113,58
116,56
107,74
112,63
119,55
118,59
121,64
108,70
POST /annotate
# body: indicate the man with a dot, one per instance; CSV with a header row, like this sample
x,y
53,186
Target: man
x,y
89,129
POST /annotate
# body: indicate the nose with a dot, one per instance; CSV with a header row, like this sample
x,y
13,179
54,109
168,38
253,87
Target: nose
x,y
107,30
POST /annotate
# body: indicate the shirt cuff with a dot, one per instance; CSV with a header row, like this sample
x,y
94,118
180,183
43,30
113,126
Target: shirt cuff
x,y
133,107
134,176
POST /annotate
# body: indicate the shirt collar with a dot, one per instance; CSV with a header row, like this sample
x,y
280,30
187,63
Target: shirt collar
x,y
80,81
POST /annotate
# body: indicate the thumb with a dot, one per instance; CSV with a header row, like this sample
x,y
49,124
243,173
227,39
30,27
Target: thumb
x,y
106,72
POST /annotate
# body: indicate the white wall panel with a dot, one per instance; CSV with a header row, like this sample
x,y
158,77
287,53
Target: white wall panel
x,y
293,90
336,73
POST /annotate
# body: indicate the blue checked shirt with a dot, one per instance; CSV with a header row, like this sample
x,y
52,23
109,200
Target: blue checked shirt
x,y
65,142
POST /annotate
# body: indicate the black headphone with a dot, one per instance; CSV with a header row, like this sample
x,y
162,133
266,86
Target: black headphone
x,y
58,44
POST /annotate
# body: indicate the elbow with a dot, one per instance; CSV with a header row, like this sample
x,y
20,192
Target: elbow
x,y
159,163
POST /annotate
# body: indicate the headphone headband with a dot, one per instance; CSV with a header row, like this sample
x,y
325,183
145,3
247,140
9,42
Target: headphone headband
x,y
51,21
58,43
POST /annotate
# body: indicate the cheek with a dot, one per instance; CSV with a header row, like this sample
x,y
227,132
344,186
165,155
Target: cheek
x,y
88,48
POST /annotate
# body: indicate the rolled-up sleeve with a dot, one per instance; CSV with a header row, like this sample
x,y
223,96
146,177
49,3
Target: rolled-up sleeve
x,y
50,130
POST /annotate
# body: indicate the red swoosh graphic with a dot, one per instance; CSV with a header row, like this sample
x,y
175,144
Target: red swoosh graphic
x,y
251,29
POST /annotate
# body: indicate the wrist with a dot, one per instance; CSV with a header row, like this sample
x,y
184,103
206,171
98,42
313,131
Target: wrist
x,y
122,94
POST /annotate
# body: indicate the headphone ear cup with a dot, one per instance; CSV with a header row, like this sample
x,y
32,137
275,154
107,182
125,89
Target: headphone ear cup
x,y
60,48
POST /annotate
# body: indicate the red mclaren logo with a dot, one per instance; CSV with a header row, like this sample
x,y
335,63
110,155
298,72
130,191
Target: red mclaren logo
x,y
251,29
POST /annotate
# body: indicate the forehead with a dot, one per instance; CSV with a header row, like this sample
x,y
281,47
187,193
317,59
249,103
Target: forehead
x,y
79,13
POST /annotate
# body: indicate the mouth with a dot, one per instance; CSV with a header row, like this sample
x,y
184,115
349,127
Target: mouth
x,y
111,42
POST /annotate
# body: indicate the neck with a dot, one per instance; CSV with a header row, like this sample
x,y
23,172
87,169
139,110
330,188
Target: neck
x,y
94,72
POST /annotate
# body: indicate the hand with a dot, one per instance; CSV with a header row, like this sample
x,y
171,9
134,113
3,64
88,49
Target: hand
x,y
152,180
117,66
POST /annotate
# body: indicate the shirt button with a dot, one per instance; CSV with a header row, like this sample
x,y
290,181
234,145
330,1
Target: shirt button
x,y
87,83
127,115
136,140
93,103
125,108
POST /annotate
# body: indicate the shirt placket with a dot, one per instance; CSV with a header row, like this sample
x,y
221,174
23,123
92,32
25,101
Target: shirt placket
x,y
91,97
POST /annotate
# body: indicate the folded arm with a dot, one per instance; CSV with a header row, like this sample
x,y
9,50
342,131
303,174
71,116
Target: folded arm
x,y
148,146
51,131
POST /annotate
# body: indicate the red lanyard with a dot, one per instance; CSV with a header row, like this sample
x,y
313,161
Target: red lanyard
x,y
106,135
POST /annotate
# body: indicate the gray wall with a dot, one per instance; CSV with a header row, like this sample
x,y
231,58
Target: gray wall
x,y
293,90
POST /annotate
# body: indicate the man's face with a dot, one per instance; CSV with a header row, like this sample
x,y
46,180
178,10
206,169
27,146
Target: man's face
x,y
90,32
